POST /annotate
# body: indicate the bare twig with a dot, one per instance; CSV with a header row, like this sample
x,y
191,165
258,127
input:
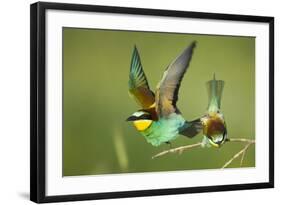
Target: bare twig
x,y
178,149
238,154
240,140
242,152
242,158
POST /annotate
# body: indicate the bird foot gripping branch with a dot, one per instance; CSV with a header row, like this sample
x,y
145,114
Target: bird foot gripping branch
x,y
242,152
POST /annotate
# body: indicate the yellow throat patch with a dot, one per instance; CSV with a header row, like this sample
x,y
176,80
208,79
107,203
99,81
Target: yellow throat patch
x,y
142,125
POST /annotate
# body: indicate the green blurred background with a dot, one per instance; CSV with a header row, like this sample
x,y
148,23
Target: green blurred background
x,y
98,140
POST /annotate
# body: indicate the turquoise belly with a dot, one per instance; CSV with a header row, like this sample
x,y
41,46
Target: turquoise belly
x,y
164,130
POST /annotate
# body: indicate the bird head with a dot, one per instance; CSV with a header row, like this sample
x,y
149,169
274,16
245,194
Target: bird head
x,y
141,120
217,140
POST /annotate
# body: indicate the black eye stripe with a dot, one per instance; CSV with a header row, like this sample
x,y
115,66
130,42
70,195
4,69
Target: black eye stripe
x,y
132,118
145,117
142,117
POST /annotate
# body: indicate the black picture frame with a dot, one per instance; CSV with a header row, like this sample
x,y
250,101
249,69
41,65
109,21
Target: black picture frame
x,y
38,100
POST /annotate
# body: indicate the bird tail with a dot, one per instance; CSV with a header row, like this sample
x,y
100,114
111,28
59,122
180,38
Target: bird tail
x,y
215,88
192,128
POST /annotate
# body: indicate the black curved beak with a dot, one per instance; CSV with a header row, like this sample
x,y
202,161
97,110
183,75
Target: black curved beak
x,y
131,118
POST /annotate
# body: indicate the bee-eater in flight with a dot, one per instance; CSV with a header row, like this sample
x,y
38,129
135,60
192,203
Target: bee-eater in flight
x,y
159,120
214,126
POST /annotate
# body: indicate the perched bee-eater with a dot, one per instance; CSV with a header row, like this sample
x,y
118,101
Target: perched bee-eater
x,y
159,120
214,126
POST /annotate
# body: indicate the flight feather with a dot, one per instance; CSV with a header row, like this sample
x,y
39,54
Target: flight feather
x,y
168,88
138,84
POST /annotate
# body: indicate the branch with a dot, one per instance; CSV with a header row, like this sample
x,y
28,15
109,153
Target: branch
x,y
240,140
242,158
181,149
241,152
178,149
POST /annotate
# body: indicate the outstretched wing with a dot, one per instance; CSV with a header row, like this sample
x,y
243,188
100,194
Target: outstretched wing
x,y
168,88
138,85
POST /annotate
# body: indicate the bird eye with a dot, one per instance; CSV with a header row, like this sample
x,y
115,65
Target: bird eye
x,y
144,117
